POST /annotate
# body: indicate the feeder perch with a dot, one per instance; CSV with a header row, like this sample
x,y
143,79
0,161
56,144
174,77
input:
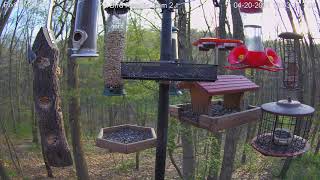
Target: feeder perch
x,y
291,55
126,138
283,129
217,115
253,54
205,44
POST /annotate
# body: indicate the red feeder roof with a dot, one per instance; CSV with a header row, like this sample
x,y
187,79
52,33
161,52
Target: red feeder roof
x,y
226,84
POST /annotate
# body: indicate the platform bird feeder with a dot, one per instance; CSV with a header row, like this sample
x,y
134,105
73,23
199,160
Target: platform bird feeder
x,y
115,49
283,129
218,114
126,138
291,55
253,54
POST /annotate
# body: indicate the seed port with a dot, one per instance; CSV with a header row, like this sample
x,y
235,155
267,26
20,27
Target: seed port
x,y
43,63
44,102
77,36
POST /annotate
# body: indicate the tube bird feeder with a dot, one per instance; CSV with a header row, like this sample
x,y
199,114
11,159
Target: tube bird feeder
x,y
85,34
115,49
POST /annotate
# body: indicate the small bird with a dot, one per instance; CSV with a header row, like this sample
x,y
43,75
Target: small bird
x,y
31,55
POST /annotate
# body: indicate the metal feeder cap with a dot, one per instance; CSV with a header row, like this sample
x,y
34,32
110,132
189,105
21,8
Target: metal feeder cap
x,y
288,108
118,9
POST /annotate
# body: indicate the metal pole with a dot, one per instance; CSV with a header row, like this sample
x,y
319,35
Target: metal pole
x,y
163,106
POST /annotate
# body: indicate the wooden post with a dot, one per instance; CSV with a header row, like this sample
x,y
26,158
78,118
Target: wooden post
x,y
47,101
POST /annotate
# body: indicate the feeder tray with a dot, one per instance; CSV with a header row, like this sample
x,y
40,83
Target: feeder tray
x,y
217,115
170,70
266,145
126,138
220,118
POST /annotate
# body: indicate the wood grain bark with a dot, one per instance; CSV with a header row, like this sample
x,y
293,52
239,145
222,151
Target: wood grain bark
x,y
48,102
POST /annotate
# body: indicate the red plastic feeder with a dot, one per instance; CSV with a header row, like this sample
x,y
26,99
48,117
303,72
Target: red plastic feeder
x,y
253,54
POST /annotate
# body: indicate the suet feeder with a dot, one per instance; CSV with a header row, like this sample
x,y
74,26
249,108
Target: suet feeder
x,y
218,114
283,129
253,54
115,49
291,55
126,138
85,34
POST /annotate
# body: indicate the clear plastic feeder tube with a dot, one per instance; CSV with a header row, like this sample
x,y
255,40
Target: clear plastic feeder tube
x,y
251,14
115,49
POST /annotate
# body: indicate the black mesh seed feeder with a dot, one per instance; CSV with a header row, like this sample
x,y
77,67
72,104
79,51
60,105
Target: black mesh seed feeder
x,y
291,55
284,128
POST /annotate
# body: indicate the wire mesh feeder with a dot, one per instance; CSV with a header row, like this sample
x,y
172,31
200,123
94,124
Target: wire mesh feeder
x,y
126,138
291,55
284,128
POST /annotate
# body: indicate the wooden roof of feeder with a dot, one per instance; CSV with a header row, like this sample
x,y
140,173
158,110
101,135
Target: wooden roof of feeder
x,y
231,86
226,84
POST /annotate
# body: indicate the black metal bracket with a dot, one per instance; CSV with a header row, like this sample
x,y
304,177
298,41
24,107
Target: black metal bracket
x,y
168,70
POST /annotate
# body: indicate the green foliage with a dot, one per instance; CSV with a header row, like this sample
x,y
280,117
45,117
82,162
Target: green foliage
x,y
126,165
305,168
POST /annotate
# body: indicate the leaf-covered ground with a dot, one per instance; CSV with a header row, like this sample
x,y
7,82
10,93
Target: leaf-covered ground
x,y
104,165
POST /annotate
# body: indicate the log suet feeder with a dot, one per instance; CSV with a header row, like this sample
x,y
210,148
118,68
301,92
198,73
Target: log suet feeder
x,y
126,138
283,129
291,55
217,115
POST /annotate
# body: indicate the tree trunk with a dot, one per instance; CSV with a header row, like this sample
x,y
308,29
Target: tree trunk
x,y
230,147
34,126
318,146
6,9
188,160
3,173
215,157
48,102
188,164
74,108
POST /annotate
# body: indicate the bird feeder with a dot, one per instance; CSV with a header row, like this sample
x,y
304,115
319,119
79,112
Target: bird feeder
x,y
253,54
217,44
115,49
126,138
291,54
85,34
173,90
218,114
283,129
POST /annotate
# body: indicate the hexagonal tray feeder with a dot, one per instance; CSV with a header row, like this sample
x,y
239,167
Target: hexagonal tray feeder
x,y
217,115
126,138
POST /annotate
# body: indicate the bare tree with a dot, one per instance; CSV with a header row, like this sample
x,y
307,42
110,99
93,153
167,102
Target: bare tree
x,y
74,108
